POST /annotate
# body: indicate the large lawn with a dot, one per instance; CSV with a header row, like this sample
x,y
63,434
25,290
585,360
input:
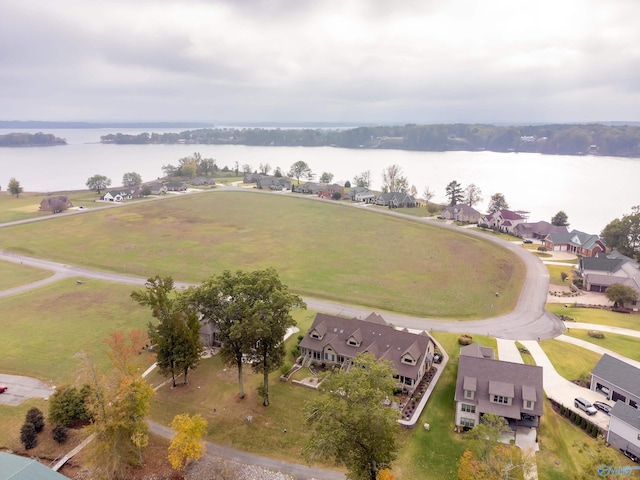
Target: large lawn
x,y
570,361
320,249
43,330
27,205
14,275
596,315
622,344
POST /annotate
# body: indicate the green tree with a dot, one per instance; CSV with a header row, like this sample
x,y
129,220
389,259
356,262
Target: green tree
x,y
363,180
497,203
620,294
35,417
14,187
67,406
176,337
560,219
97,183
326,177
269,317
186,445
624,234
131,179
472,195
252,312
454,192
28,436
351,424
300,169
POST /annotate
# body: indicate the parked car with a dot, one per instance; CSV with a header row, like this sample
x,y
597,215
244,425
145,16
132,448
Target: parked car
x,y
585,405
630,455
3,388
526,240
603,407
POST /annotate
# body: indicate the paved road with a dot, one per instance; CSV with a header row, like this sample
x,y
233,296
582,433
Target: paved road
x,y
301,472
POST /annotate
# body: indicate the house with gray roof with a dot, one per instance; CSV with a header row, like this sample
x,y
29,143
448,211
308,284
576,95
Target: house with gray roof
x,y
271,182
333,340
624,428
617,380
15,467
461,213
537,230
311,188
396,200
607,269
580,243
486,385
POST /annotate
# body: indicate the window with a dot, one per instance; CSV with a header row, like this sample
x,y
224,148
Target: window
x,y
315,335
468,394
408,360
467,422
500,399
528,405
408,381
468,408
352,342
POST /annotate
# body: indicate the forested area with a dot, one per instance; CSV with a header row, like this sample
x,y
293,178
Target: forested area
x,y
559,139
30,140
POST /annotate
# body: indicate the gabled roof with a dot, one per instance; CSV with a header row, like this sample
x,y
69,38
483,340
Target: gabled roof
x,y
509,215
462,209
378,338
626,413
601,264
576,238
541,228
618,373
478,351
495,377
15,467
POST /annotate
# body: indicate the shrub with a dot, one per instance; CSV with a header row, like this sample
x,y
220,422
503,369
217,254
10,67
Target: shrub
x,y
465,339
60,433
542,248
336,196
564,276
36,418
67,406
28,436
595,334
284,369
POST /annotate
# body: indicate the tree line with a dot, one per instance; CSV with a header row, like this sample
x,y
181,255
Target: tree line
x,y
559,139
21,139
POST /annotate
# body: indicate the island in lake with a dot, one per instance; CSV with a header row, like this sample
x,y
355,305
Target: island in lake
x,y
21,139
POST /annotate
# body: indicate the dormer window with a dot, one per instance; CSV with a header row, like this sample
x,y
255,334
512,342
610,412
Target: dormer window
x,y
528,405
315,335
352,341
408,359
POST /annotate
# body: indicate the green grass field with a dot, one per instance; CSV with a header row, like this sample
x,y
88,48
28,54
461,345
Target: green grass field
x,y
596,315
570,361
43,330
622,344
555,274
320,249
27,205
13,275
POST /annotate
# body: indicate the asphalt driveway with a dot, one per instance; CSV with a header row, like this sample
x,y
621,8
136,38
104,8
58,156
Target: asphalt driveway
x,y
23,388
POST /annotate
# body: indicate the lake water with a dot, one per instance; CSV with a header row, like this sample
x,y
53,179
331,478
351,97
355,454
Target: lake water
x,y
591,190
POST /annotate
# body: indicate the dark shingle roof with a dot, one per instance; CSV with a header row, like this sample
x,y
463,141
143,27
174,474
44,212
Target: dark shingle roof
x,y
627,414
618,373
495,377
378,338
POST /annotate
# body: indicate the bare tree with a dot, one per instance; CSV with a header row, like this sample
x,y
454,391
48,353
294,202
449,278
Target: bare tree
x,y
472,195
393,180
363,180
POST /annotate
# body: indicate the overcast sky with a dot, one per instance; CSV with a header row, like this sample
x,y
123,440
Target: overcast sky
x,y
359,61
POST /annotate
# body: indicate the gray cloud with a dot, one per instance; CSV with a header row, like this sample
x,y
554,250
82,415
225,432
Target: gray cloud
x,y
293,60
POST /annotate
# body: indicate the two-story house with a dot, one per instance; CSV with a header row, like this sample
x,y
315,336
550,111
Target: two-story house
x,y
485,385
335,340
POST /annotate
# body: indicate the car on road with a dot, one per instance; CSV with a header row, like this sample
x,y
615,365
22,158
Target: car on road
x,y
3,388
603,407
